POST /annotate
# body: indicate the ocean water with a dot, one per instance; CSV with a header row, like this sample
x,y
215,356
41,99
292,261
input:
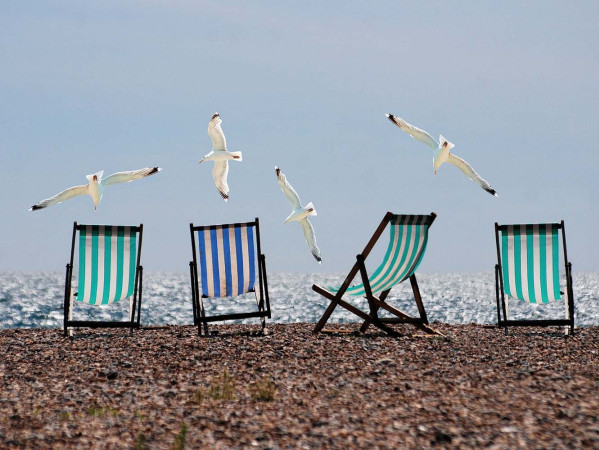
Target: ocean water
x,y
36,300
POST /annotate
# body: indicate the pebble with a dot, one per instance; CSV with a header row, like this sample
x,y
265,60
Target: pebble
x,y
473,388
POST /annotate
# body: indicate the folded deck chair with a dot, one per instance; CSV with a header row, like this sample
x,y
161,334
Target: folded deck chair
x,y
527,269
109,271
407,243
227,256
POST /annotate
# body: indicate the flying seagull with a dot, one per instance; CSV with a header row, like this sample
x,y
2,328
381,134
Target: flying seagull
x,y
95,186
220,155
300,213
441,152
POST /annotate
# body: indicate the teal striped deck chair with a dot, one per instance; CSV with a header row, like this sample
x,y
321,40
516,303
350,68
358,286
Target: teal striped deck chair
x,y
109,271
226,260
527,270
408,237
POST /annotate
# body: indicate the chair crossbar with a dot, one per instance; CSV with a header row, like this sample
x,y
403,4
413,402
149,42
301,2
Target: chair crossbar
x,y
535,322
101,324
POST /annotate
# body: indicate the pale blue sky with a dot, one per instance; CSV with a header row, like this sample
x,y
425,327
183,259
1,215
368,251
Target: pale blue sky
x,y
112,86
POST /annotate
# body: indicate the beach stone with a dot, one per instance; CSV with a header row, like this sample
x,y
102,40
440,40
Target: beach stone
x,y
475,388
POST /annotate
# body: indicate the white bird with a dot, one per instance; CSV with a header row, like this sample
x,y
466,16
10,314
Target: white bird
x,y
220,155
442,152
300,213
95,186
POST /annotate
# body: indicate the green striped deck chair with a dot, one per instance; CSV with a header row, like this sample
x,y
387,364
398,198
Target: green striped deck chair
x,y
408,237
527,270
226,260
109,271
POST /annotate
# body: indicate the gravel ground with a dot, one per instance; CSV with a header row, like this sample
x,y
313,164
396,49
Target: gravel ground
x,y
169,388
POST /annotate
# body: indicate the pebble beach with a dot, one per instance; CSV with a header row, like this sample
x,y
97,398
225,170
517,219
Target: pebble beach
x,y
167,387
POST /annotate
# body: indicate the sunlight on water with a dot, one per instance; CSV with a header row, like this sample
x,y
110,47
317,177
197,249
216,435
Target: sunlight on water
x,y
36,299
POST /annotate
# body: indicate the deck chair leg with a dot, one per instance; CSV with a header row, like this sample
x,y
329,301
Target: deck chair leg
x,y
567,308
68,331
372,305
193,294
419,304
418,299
67,300
72,294
382,298
132,306
497,295
325,317
202,315
141,277
570,297
260,302
335,301
506,309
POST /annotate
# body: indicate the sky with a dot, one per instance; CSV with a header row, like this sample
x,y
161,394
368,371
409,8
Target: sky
x,y
304,85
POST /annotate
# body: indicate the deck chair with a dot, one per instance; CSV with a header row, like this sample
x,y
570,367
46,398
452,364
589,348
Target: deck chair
x,y
227,256
407,244
109,271
527,270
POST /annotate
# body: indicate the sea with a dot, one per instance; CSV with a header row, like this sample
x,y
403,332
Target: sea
x,y
35,300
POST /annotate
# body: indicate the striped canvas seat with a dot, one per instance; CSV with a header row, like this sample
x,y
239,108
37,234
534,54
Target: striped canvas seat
x,y
528,270
407,244
408,237
109,271
530,262
107,261
226,260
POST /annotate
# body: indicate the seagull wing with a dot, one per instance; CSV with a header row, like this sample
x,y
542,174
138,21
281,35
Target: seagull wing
x,y
287,189
61,197
125,177
413,131
471,173
216,133
310,238
219,173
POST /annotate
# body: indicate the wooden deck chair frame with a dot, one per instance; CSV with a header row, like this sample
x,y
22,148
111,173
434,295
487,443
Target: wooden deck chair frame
x,y
134,304
502,310
262,300
375,303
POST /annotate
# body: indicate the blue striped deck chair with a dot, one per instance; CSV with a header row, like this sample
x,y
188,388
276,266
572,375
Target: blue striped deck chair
x,y
408,237
109,271
226,260
527,270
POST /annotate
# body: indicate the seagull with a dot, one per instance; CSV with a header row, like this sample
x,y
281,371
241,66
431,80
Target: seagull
x,y
300,213
220,155
442,152
95,186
